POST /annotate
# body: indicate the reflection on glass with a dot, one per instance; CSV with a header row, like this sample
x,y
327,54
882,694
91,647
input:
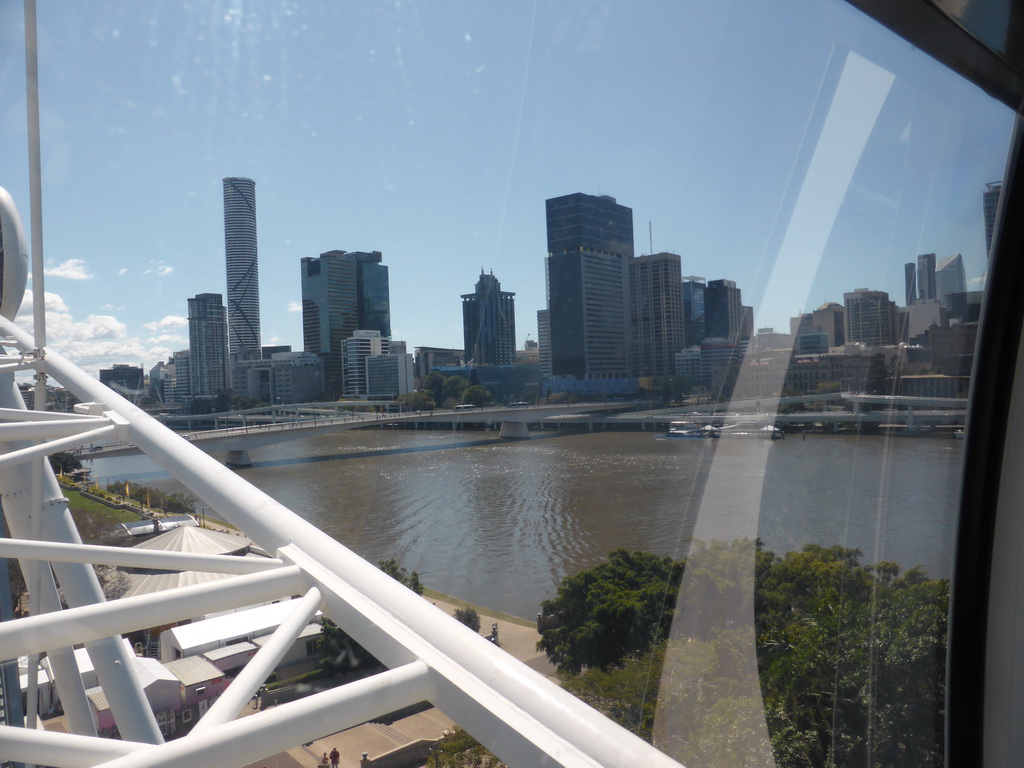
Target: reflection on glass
x,y
804,301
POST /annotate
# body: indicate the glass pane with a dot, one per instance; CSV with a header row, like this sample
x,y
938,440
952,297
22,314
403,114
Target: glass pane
x,y
816,194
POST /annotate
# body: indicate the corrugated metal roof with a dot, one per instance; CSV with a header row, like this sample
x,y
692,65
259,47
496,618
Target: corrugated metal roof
x,y
193,670
98,698
229,650
200,541
186,539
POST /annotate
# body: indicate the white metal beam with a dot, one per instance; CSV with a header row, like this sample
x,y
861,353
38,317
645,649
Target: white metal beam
x,y
45,449
93,622
135,558
48,430
68,750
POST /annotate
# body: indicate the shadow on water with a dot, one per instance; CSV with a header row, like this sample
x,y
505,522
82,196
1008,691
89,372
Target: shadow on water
x,y
395,451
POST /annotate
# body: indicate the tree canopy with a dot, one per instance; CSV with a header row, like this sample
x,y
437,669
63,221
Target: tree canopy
x,y
845,662
477,395
621,606
400,574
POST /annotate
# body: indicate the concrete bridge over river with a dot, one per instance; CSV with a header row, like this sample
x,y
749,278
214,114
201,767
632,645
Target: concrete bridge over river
x,y
236,433
266,426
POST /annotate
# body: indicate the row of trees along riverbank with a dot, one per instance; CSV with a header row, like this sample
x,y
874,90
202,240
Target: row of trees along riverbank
x,y
847,660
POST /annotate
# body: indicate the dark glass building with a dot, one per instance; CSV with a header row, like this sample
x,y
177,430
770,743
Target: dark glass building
x,y
342,292
590,241
126,379
489,323
723,310
693,310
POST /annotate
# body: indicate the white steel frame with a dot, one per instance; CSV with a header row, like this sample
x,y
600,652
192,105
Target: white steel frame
x,y
522,716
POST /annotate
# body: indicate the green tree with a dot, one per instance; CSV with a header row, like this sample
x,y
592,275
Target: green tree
x,y
878,376
627,694
453,388
433,383
416,401
469,617
401,575
619,607
460,750
65,463
476,395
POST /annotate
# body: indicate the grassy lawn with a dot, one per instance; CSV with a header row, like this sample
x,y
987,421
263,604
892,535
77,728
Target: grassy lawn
x,y
78,502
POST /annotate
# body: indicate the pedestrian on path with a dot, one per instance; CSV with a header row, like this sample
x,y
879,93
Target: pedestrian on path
x,y
335,757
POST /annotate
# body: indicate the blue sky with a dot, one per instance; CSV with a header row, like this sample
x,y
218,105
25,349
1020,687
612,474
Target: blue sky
x,y
434,133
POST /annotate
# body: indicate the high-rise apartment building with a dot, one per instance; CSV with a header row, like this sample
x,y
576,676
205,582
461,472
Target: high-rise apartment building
x,y
489,323
950,278
361,345
990,201
693,310
181,377
342,292
723,311
207,344
926,277
590,241
243,270
656,313
870,318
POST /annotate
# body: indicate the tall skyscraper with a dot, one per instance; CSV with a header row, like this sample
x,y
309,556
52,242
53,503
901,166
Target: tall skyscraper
x,y
656,312
489,323
950,278
590,241
909,283
693,310
342,292
723,310
926,277
207,344
990,200
243,270
870,318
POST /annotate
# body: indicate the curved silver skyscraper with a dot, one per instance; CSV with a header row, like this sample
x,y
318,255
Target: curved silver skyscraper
x,y
242,267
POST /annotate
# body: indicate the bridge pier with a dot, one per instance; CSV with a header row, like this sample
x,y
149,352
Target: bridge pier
x,y
514,430
238,457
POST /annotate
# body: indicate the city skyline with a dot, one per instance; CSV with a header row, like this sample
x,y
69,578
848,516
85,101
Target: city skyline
x,y
435,136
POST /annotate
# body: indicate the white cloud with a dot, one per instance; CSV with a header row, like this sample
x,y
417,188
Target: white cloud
x,y
294,306
168,321
72,269
122,271
159,269
98,341
166,338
